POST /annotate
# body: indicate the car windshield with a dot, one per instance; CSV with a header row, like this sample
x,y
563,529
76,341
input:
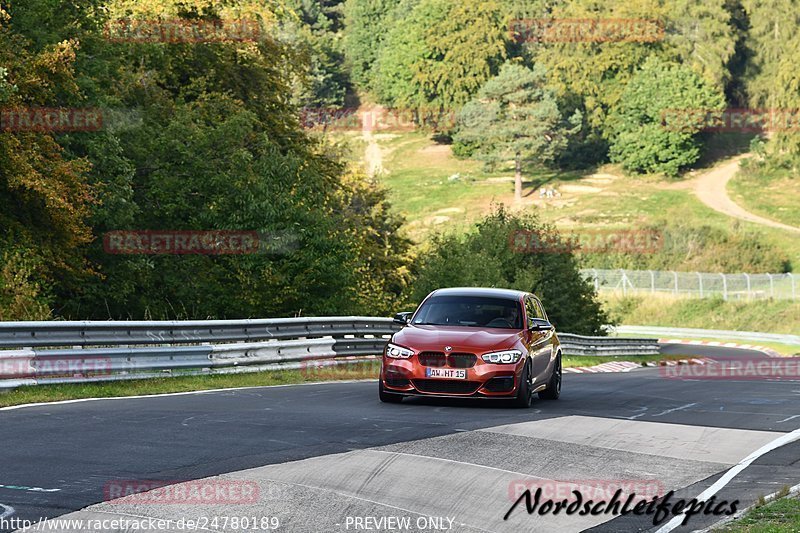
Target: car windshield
x,y
470,311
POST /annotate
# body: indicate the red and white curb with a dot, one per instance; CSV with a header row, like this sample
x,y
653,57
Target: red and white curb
x,y
627,366
763,349
621,366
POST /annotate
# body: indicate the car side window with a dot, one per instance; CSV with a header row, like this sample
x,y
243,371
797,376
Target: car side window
x,y
540,313
530,310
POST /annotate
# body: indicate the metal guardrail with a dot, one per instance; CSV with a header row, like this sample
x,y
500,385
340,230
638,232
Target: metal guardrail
x,y
580,345
33,353
88,333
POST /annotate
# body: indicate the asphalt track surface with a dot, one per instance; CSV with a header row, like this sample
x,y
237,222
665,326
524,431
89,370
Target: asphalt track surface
x,y
323,455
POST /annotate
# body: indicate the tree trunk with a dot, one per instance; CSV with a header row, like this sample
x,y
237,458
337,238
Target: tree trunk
x,y
518,179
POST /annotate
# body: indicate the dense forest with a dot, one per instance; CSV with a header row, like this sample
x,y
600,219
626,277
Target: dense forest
x,y
207,134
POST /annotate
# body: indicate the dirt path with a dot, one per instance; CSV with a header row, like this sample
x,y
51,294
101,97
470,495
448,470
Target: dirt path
x,y
711,189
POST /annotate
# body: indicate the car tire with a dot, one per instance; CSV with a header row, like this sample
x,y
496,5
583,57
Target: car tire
x,y
524,396
388,397
553,390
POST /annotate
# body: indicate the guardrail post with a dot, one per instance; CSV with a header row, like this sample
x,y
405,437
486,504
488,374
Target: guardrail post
x,y
675,275
771,286
700,281
749,293
652,282
791,277
724,286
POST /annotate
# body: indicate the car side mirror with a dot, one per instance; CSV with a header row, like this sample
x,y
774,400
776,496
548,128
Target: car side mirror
x,y
539,324
403,318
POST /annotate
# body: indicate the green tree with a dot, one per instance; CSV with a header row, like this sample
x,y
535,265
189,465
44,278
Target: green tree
x,y
654,129
214,143
514,116
702,35
503,252
45,196
771,77
592,74
318,31
440,55
367,24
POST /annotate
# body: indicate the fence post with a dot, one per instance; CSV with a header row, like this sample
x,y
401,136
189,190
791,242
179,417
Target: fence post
x,y
749,294
724,286
596,281
675,275
794,295
700,281
771,287
652,282
624,284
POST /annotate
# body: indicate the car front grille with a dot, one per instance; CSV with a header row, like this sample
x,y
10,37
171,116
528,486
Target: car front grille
x,y
461,360
446,386
440,360
432,359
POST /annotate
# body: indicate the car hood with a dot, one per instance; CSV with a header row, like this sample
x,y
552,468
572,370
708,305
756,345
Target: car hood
x,y
474,340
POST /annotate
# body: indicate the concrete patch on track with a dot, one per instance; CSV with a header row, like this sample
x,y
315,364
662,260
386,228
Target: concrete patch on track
x,y
698,443
471,478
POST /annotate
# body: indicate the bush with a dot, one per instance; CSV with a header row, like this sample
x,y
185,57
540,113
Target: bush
x,y
492,256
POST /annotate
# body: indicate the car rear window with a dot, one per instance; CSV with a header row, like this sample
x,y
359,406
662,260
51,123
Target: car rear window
x,y
470,311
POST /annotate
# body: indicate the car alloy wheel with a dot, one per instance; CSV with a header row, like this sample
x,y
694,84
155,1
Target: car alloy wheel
x,y
553,390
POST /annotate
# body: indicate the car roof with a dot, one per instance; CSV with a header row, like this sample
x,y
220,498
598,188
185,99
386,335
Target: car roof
x,y
480,291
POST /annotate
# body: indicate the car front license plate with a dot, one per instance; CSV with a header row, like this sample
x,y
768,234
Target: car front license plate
x,y
445,373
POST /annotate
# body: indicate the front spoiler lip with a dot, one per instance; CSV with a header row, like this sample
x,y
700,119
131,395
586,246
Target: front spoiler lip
x,y
474,396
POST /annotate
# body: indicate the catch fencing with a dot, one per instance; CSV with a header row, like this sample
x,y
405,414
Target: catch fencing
x,y
696,284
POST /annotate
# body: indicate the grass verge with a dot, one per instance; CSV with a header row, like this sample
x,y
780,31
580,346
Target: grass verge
x,y
143,387
778,516
768,316
771,193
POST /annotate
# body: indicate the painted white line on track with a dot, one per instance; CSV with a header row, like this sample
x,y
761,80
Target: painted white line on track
x,y
681,408
27,489
168,394
787,419
7,511
733,472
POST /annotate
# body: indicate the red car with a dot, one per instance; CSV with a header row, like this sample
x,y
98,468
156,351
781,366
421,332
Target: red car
x,y
473,343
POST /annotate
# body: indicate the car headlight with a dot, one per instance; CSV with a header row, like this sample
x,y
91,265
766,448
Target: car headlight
x,y
398,352
506,356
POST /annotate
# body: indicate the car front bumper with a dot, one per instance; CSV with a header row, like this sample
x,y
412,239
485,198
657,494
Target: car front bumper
x,y
484,380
